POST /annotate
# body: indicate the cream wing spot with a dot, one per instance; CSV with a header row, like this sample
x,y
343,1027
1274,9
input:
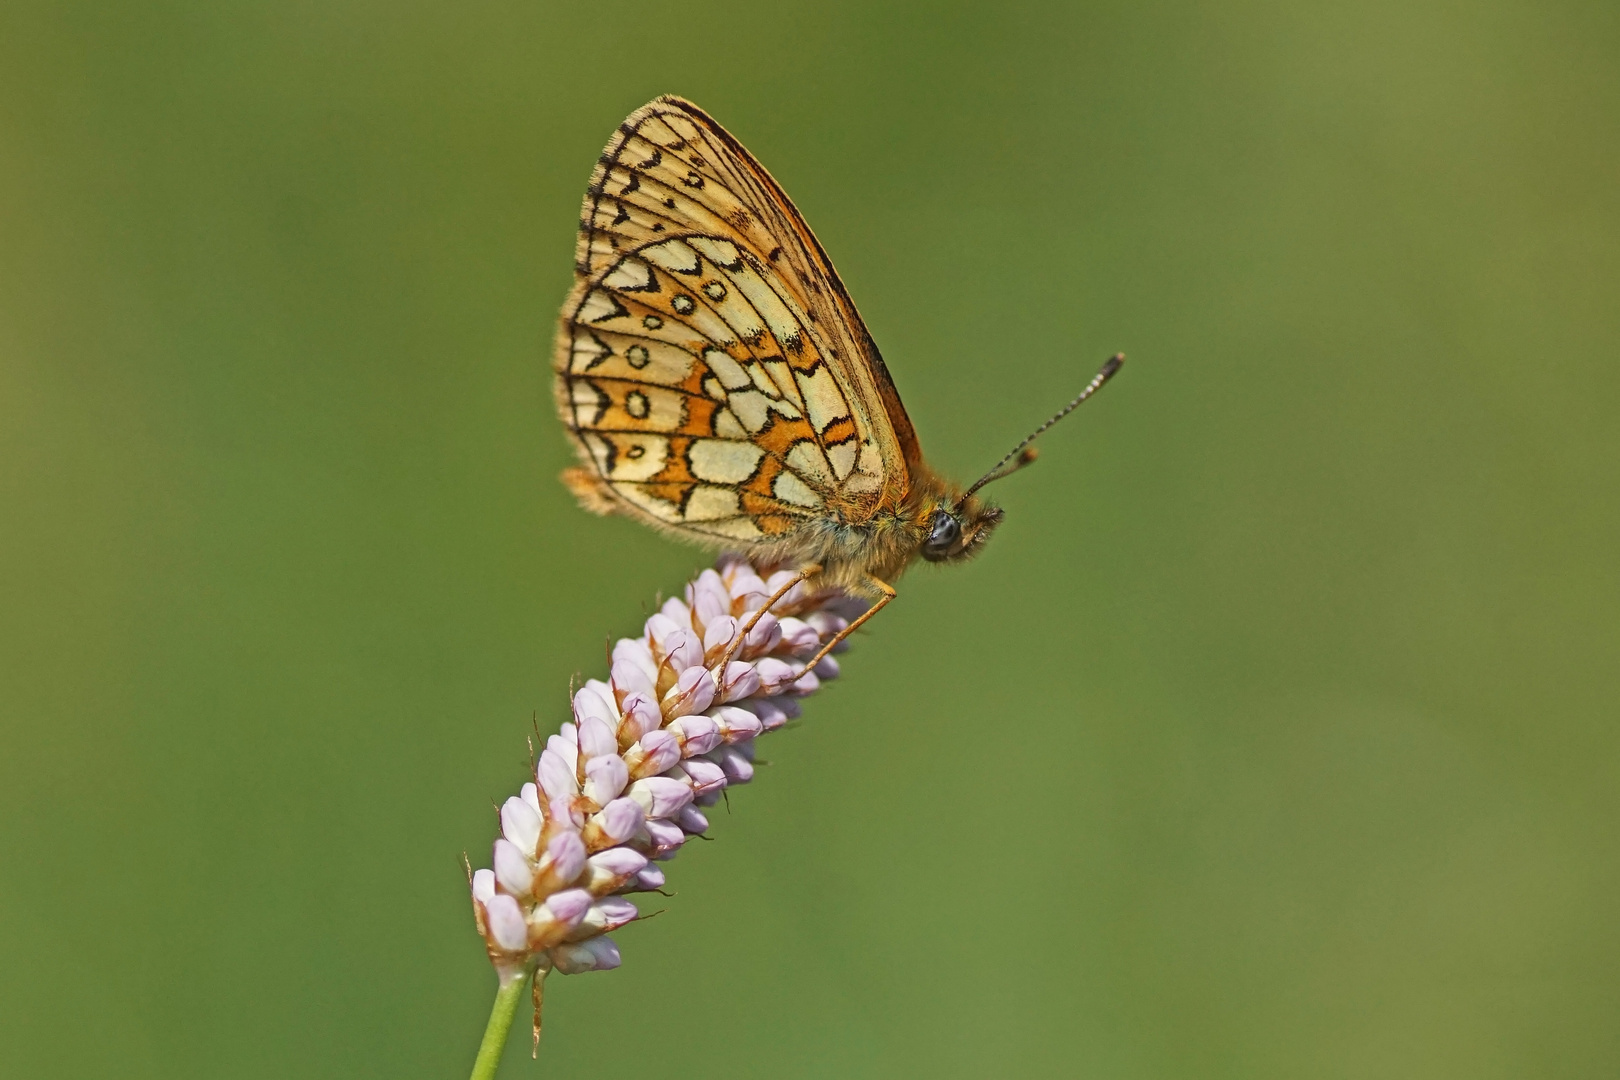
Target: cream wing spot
x,y
599,306
752,408
728,371
723,461
708,503
662,509
790,489
806,459
763,381
674,256
637,457
727,426
589,402
822,399
737,528
842,456
722,253
587,351
631,275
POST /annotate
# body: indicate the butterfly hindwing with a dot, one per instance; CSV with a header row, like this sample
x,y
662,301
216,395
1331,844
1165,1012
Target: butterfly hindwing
x,y
710,365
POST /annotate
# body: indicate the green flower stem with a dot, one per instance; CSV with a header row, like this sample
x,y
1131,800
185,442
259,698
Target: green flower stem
x,y
500,1022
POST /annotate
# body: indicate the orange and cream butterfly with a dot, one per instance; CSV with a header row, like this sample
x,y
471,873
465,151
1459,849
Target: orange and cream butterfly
x,y
719,384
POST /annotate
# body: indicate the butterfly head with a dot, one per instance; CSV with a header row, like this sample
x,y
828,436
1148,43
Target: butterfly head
x,y
958,530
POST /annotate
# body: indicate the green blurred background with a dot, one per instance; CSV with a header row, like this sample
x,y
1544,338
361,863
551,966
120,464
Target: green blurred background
x,y
1274,735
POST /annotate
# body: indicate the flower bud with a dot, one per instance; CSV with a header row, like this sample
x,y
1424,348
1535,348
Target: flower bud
x,y
513,871
605,778
610,870
660,796
718,636
665,837
641,715
656,752
556,776
597,954
705,776
766,636
741,680
614,824
799,637
520,823
691,820
560,863
693,692
698,734
735,724
738,769
774,675
649,878
597,737
504,919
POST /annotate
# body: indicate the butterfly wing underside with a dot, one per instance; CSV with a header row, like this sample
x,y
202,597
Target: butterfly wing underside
x,y
710,366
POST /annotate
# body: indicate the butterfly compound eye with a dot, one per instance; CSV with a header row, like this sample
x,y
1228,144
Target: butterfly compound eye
x,y
943,533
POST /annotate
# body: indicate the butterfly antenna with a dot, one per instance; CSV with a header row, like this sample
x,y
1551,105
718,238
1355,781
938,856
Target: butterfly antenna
x,y
1024,453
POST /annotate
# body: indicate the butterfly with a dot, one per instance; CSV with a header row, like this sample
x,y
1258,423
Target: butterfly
x,y
720,386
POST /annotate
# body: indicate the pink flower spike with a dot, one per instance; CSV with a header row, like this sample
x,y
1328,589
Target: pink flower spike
x,y
504,918
513,871
597,954
605,778
741,680
826,668
660,797
623,779
520,823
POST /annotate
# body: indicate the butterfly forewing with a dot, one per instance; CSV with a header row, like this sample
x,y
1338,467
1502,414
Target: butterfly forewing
x,y
710,364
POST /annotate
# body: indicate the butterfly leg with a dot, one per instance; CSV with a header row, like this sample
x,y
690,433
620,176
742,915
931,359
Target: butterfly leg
x,y
737,642
882,602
